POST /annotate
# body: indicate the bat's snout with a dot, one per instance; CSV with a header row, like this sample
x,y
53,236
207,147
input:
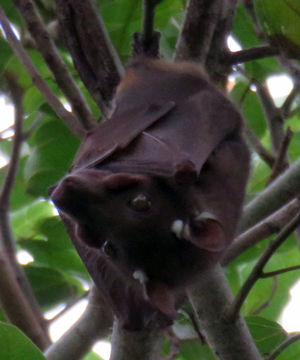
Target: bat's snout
x,y
75,192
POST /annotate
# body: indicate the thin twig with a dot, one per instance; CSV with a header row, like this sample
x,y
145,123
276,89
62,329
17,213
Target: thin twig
x,y
281,271
16,296
16,307
2,132
294,111
269,226
69,118
254,142
258,268
148,20
280,164
195,322
289,341
252,139
146,43
47,48
33,126
9,179
265,304
293,70
272,113
286,106
273,116
254,53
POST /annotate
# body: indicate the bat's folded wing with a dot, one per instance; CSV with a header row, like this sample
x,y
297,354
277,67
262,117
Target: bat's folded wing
x,y
116,133
180,144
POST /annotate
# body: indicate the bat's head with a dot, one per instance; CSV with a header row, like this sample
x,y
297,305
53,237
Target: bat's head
x,y
145,225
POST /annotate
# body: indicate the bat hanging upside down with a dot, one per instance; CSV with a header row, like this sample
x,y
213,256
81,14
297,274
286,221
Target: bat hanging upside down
x,y
157,189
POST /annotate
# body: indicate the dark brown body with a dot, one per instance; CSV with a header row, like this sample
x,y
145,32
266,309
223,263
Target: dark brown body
x,y
156,192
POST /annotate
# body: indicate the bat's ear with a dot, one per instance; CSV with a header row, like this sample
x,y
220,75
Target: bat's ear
x,y
206,232
121,181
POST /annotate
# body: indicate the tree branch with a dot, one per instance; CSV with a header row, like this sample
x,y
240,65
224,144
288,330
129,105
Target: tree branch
x,y
93,54
32,323
254,53
254,142
16,307
273,116
9,179
229,340
215,66
265,304
286,106
199,25
258,268
260,231
135,345
280,164
147,43
47,48
279,272
282,190
294,70
251,138
291,340
94,324
69,119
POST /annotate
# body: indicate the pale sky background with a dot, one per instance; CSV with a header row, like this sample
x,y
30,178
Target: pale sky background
x,y
279,86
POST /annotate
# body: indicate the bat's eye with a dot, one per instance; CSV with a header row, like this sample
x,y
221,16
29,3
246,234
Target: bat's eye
x,y
109,249
140,203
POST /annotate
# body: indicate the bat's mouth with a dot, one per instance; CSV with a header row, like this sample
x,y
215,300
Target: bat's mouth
x,y
157,293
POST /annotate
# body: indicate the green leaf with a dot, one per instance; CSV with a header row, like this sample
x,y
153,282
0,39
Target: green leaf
x,y
259,176
122,18
53,151
46,255
280,19
266,334
11,12
50,286
16,346
19,198
5,52
32,100
243,29
92,356
25,221
294,147
248,101
261,293
194,350
290,353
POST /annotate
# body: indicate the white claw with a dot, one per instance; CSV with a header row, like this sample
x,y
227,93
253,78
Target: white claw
x,y
140,276
177,227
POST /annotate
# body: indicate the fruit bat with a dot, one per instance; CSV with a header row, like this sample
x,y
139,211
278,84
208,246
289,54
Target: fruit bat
x,y
155,192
